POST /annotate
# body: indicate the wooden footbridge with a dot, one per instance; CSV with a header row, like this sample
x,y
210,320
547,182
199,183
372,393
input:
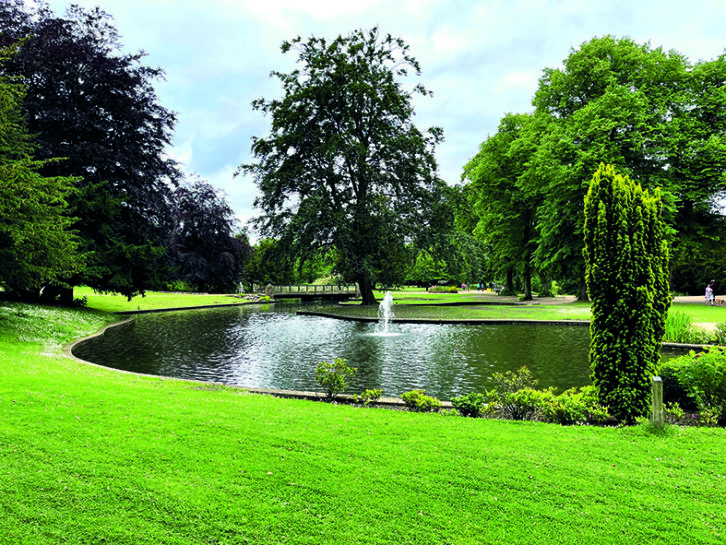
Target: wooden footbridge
x,y
307,293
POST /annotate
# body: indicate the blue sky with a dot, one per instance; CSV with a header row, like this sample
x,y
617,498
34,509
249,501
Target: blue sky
x,y
482,59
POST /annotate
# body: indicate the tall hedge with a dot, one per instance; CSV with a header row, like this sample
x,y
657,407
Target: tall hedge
x,y
626,258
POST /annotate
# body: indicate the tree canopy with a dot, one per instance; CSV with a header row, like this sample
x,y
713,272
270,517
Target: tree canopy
x,y
204,250
98,110
36,242
344,167
654,116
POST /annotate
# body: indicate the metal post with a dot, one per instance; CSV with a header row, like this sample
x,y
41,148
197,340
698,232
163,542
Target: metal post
x,y
658,412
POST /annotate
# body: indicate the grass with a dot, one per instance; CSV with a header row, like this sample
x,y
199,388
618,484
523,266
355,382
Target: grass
x,y
88,455
153,300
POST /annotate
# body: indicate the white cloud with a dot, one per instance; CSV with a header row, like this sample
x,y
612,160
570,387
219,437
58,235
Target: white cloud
x,y
481,58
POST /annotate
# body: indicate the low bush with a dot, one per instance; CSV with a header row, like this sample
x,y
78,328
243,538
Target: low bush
x,y
368,396
469,404
702,377
418,401
332,376
443,289
720,333
576,407
514,396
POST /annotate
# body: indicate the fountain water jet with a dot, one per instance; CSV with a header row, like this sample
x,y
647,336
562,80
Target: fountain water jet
x,y
385,314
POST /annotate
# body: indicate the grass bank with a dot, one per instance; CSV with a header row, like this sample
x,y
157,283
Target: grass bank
x,y
90,456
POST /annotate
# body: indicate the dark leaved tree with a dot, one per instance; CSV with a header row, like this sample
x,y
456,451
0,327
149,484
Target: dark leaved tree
x,y
97,109
204,250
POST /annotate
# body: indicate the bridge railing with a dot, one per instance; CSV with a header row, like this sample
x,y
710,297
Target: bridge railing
x,y
304,289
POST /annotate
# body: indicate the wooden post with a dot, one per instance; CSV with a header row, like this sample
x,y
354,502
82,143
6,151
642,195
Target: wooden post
x,y
658,412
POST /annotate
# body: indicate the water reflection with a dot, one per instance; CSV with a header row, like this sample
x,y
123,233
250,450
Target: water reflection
x,y
272,347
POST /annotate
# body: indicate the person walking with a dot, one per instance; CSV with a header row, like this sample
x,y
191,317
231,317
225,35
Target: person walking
x,y
710,297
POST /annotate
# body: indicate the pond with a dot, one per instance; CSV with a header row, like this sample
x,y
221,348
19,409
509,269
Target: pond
x,y
269,346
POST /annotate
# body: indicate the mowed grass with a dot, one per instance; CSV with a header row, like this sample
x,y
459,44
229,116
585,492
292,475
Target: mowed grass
x,y
89,455
152,300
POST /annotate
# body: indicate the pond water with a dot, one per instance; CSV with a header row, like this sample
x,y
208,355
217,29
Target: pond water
x,y
270,346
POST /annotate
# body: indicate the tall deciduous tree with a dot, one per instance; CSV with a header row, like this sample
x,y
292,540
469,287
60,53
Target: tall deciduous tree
x,y
505,205
98,109
626,258
204,250
344,166
651,113
36,242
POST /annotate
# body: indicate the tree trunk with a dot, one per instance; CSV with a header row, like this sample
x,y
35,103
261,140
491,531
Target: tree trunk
x,y
510,282
66,297
527,280
366,290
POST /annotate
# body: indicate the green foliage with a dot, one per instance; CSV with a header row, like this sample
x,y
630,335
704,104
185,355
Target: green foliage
x,y
511,381
332,376
575,407
343,143
37,245
674,414
470,404
720,333
626,258
368,396
678,328
505,208
514,396
418,401
443,289
703,378
96,107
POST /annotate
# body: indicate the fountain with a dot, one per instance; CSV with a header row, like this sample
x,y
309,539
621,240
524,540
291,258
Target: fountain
x,y
385,314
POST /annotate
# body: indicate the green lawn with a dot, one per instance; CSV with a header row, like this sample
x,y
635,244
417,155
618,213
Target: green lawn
x,y
89,456
153,300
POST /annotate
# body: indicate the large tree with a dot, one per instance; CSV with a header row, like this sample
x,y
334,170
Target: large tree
x,y
506,208
653,115
204,250
344,166
98,109
36,243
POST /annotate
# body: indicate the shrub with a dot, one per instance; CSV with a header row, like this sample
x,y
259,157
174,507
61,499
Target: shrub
x,y
515,396
575,407
510,382
703,377
470,404
443,289
332,376
673,390
626,269
525,404
720,333
368,396
418,401
674,414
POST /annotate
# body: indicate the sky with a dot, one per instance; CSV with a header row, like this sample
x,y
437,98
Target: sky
x,y
481,59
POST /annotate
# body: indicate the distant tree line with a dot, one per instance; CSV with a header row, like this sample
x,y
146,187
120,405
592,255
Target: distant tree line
x,y
653,115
